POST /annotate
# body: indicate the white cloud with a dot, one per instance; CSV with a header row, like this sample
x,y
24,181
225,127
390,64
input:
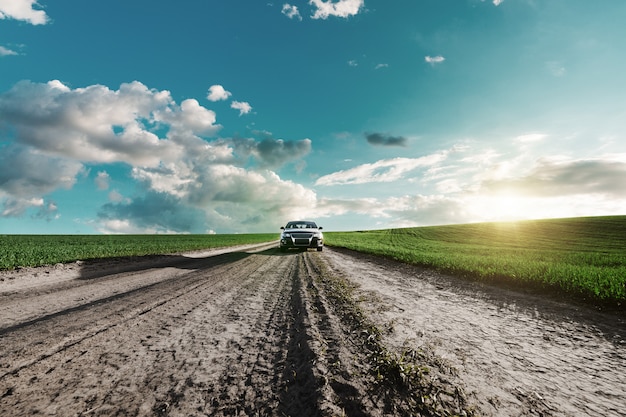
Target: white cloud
x,y
102,180
291,11
190,117
26,176
432,60
404,211
386,170
550,177
171,178
23,10
379,66
484,185
341,8
115,196
6,52
531,137
225,196
242,106
15,207
217,93
497,2
96,124
271,152
558,187
47,211
115,226
353,63
186,182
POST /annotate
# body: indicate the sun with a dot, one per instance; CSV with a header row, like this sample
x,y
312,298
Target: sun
x,y
504,206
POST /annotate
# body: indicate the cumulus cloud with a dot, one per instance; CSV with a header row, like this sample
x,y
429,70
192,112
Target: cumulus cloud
x,y
379,66
190,118
217,93
242,106
157,212
47,211
228,197
96,124
385,140
386,170
23,10
26,176
115,196
44,210
291,12
6,51
271,152
192,182
497,2
432,60
341,8
15,207
102,180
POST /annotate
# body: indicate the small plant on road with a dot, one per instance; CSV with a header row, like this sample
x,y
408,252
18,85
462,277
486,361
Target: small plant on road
x,y
404,380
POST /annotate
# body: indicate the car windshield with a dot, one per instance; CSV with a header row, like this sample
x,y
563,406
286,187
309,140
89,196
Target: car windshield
x,y
301,225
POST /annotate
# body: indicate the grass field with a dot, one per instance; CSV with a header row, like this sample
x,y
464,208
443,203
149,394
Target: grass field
x,y
583,257
36,250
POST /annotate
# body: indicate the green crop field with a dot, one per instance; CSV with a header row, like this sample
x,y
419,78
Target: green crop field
x,y
36,250
583,257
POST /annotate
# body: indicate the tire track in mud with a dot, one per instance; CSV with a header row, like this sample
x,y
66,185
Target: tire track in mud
x,y
320,352
240,334
54,332
236,334
517,354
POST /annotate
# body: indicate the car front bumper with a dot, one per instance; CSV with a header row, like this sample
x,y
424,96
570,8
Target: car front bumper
x,y
301,242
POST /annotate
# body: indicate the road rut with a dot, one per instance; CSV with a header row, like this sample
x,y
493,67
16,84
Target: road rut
x,y
255,332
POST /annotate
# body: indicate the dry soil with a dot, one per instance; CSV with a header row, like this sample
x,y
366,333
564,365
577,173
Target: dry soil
x,y
251,331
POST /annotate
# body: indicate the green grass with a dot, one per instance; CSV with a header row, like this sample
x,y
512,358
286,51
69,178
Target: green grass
x,y
582,257
37,250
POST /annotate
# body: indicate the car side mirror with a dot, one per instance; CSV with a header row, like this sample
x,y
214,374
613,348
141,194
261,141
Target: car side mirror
x,y
282,227
320,228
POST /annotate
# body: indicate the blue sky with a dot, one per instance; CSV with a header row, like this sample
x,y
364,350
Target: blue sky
x,y
207,116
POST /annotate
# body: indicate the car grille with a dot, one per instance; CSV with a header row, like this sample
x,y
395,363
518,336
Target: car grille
x,y
303,239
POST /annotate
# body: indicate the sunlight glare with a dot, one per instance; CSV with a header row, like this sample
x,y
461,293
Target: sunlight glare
x,y
505,207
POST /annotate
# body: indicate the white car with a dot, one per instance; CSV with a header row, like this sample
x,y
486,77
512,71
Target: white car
x,y
301,234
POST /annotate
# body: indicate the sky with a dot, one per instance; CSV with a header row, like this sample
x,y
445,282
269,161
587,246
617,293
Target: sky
x,y
214,116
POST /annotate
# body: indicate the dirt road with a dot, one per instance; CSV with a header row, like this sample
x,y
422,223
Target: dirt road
x,y
257,332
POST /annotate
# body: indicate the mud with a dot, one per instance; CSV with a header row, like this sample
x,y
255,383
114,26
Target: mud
x,y
252,331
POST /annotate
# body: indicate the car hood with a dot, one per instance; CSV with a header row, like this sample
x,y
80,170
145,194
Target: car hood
x,y
302,231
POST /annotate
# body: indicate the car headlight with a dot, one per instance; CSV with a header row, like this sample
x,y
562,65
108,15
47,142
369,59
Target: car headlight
x,y
286,235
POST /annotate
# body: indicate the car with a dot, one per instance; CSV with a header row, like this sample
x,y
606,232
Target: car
x,y
301,234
